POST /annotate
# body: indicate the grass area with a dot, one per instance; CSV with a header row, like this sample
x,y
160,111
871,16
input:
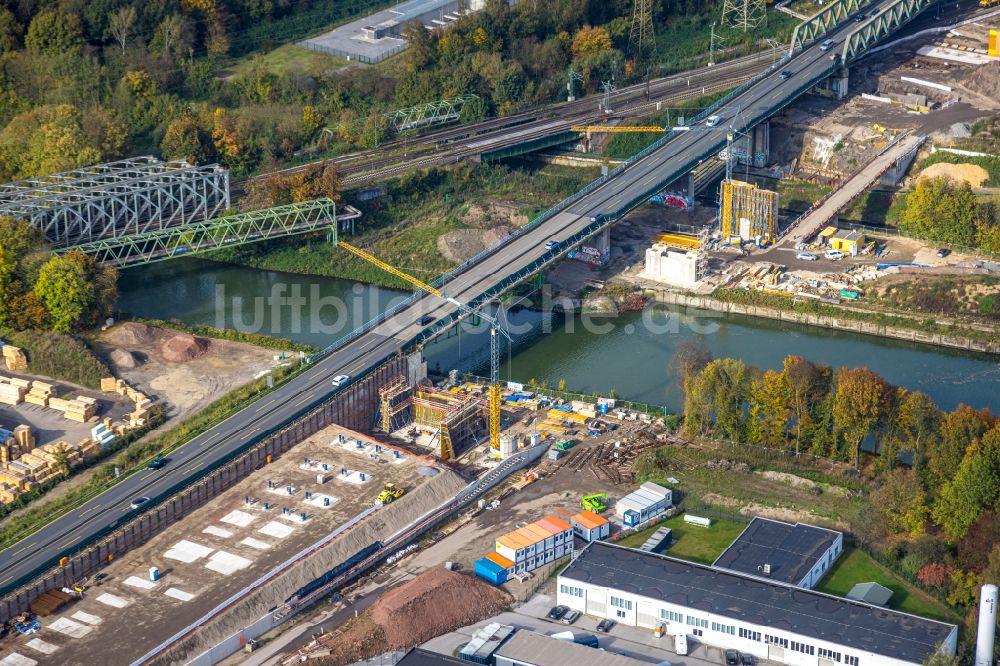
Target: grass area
x,y
292,60
58,356
693,543
266,341
796,196
855,566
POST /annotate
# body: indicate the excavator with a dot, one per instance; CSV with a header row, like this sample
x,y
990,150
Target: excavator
x,y
596,503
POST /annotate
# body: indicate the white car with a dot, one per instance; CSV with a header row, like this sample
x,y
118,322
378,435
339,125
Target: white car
x,y
806,256
835,255
712,121
551,245
340,380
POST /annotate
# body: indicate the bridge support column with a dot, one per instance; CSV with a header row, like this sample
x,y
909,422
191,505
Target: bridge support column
x,y
692,190
837,86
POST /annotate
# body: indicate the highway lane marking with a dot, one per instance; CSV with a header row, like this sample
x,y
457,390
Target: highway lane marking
x,y
67,543
143,478
6,580
23,548
93,508
370,342
305,399
264,406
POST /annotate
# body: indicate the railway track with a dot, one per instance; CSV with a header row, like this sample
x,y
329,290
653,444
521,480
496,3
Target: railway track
x,y
443,146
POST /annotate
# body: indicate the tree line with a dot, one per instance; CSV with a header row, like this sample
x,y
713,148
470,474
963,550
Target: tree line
x,y
948,211
935,474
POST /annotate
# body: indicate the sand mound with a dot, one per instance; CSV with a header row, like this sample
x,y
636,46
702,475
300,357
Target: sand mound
x,y
123,359
182,347
132,334
975,174
463,244
435,602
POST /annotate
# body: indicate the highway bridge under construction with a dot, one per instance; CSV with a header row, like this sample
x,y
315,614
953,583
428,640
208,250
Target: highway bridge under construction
x,y
79,542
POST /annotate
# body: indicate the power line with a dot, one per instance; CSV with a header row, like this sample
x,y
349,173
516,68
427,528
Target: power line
x,y
745,15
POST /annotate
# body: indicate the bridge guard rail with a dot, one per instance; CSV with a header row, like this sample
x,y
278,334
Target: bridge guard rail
x,y
822,21
883,24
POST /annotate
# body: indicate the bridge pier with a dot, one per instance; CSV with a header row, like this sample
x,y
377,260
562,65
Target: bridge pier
x,y
837,86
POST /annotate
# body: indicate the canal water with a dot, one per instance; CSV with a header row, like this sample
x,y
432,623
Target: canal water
x,y
630,354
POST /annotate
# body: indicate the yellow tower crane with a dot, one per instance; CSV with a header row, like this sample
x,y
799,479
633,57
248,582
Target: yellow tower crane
x,y
619,129
495,327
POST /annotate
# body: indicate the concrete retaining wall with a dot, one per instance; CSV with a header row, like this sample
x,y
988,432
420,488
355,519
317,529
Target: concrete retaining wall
x,y
854,326
353,408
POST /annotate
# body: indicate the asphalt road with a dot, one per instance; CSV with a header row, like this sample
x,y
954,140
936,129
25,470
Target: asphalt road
x,y
32,555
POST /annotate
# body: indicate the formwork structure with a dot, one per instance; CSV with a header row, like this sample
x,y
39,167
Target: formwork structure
x,y
454,419
394,401
127,197
748,212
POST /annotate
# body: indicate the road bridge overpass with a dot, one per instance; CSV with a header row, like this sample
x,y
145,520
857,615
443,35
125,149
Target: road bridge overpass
x,y
484,277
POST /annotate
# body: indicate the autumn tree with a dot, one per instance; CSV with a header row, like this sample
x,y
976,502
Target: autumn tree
x,y
770,401
806,383
185,139
62,286
589,42
916,421
974,549
7,266
942,210
173,36
900,502
717,395
858,407
974,489
956,432
10,31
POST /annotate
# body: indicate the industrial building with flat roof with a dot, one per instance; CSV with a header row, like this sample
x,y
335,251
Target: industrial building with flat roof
x,y
527,648
644,503
767,619
796,554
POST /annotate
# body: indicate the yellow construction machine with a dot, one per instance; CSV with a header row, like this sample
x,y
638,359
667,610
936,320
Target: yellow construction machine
x,y
390,493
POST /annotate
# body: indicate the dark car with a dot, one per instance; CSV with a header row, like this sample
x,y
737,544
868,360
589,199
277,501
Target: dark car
x,y
746,659
138,502
860,17
557,612
426,319
732,658
787,74
606,625
159,462
874,13
943,252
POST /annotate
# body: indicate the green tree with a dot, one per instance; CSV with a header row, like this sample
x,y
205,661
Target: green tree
x,y
941,210
121,23
7,266
773,398
807,383
10,31
916,421
61,460
901,503
185,139
957,431
54,31
62,286
974,488
174,36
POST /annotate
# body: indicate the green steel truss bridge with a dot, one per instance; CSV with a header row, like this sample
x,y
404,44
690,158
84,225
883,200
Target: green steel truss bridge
x,y
888,19
225,231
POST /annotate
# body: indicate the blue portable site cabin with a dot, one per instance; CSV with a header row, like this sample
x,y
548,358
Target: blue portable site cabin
x,y
490,571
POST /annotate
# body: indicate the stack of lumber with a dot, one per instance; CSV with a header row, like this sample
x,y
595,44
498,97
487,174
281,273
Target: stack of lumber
x,y
111,385
52,453
88,447
39,468
11,394
14,358
24,438
80,408
40,394
17,474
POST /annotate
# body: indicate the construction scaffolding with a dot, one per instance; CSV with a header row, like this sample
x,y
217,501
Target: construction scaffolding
x,y
455,420
748,213
394,405
118,198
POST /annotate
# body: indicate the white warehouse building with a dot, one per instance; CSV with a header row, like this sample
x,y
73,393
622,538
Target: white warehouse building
x,y
767,619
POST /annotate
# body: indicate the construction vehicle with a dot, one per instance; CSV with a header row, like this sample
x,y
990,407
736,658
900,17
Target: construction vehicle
x,y
493,392
389,493
988,3
597,503
565,444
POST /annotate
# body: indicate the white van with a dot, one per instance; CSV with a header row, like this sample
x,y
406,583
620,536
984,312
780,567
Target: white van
x,y
826,45
681,644
712,121
835,255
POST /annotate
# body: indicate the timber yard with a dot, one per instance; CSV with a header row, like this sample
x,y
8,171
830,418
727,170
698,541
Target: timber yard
x,y
440,478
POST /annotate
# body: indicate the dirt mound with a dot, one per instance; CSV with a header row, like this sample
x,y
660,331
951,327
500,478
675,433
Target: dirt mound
x,y
973,173
462,244
132,334
435,602
985,80
123,359
492,214
182,348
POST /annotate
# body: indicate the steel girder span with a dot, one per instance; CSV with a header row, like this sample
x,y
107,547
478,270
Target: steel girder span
x,y
431,113
228,230
886,22
822,21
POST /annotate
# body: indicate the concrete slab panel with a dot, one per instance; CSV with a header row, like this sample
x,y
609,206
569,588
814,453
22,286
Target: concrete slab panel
x,y
227,563
317,500
354,477
187,551
217,531
39,645
64,625
141,583
112,600
179,594
238,518
255,543
15,659
276,530
87,618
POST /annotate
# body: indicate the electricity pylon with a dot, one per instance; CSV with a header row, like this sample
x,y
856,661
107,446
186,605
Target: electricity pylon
x,y
642,39
744,15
